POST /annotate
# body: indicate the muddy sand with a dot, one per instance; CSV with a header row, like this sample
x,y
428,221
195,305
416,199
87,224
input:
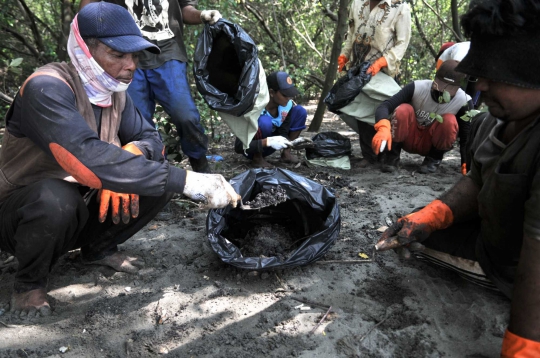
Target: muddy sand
x,y
187,303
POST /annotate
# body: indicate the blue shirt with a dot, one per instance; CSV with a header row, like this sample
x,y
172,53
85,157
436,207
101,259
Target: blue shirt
x,y
282,114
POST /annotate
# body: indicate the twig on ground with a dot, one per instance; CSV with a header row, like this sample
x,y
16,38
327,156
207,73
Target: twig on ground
x,y
344,261
321,321
311,303
372,328
6,325
185,201
280,281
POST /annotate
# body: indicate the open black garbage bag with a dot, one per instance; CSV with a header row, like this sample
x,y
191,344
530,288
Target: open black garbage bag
x,y
347,87
226,68
311,213
329,145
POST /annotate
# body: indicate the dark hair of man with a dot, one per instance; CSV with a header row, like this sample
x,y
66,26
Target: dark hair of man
x,y
91,42
501,17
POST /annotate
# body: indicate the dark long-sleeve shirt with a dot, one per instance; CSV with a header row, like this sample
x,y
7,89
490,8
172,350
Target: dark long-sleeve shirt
x,y
47,113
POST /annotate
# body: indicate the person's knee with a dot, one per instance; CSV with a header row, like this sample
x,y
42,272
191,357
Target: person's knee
x,y
298,118
57,200
446,132
402,128
299,111
265,126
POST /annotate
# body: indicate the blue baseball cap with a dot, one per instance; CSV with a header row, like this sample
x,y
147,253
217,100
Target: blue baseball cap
x,y
114,26
282,82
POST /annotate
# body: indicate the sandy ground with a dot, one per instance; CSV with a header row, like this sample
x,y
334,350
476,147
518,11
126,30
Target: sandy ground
x,y
187,303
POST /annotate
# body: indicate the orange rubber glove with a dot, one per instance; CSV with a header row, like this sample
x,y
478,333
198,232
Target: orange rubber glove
x,y
341,61
384,133
464,168
129,202
417,226
515,346
377,65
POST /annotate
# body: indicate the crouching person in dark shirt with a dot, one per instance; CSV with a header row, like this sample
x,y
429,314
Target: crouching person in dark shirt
x,y
424,118
279,123
80,167
487,226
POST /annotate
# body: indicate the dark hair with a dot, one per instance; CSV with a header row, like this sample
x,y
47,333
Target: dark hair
x,y
501,17
91,42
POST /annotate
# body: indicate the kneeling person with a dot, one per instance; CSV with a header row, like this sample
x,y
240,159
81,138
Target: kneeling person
x,y
72,131
279,123
424,118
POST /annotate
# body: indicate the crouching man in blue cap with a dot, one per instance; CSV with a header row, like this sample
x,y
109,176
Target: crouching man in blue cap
x,y
80,167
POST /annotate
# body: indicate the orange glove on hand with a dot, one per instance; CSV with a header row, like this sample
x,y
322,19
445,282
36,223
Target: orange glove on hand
x,y
377,65
383,135
130,202
516,346
416,226
464,168
342,61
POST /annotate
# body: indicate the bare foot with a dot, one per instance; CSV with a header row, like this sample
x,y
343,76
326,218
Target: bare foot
x,y
30,304
287,157
120,262
260,163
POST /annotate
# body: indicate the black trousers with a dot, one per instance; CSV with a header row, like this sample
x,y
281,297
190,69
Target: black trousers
x,y
366,133
44,220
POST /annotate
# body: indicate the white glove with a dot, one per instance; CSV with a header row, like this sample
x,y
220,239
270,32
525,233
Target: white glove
x,y
210,189
278,142
210,16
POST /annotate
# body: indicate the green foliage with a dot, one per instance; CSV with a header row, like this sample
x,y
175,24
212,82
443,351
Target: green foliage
x,y
292,35
470,114
446,98
436,116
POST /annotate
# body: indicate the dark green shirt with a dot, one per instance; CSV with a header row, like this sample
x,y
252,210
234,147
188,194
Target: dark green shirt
x,y
509,200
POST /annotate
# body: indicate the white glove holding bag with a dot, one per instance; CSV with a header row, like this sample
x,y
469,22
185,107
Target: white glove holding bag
x,y
210,16
278,142
212,190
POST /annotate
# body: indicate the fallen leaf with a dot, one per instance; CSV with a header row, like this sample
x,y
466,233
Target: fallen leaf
x,y
362,255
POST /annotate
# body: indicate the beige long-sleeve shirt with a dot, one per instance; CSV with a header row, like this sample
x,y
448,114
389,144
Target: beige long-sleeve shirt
x,y
384,31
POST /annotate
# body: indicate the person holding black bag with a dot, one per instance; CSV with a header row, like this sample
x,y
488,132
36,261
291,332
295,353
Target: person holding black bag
x,y
379,32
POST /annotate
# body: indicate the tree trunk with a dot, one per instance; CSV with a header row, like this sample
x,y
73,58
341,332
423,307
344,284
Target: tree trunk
x,y
455,19
67,17
341,28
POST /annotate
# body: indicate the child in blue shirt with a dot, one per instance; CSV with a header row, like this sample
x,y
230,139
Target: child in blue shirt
x,y
279,123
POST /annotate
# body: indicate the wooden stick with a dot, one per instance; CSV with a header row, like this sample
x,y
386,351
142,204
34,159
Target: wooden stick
x,y
311,303
6,325
343,261
321,321
372,328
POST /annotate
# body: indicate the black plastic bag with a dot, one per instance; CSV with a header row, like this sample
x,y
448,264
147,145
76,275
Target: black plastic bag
x,y
347,87
329,145
226,68
311,207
